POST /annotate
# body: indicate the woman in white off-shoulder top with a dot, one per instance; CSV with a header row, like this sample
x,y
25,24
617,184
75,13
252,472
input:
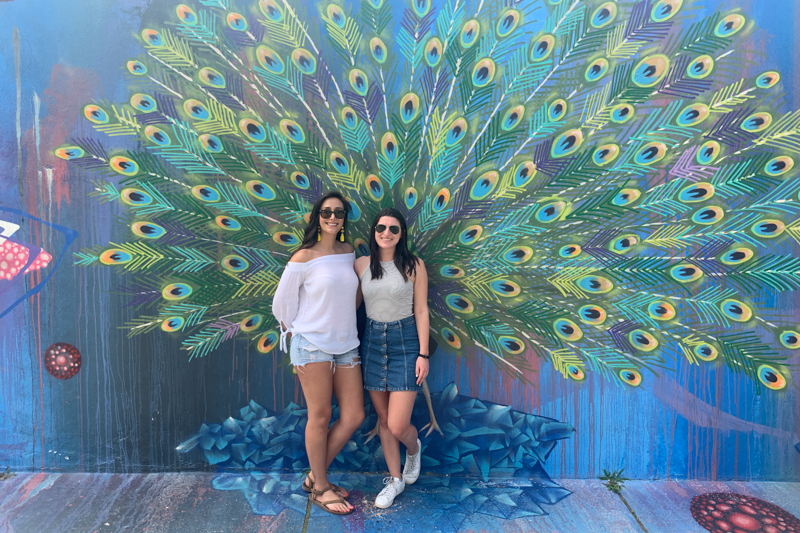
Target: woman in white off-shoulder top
x,y
316,305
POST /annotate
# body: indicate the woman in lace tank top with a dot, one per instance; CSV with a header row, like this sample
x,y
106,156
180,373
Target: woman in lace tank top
x,y
394,347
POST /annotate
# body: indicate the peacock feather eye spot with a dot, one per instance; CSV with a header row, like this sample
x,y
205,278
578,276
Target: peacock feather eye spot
x,y
518,255
508,22
124,165
567,330
604,15
267,341
708,152
631,377
212,78
410,197
228,223
471,235
176,291
736,310
236,22
374,187
771,377
768,228
505,288
441,200
663,10
196,110
459,303
692,115
551,212
484,185
701,67
251,323
421,7
68,153
389,148
336,15
95,114
349,117
661,310
299,180
512,345
469,33
378,50
137,68
557,109
292,131
757,122
173,323
567,143
115,256
708,215
269,60
730,25
576,373
456,133
768,79
622,113
592,314
542,47
361,247
624,243
285,239
737,256
143,102
570,250
187,15
451,271
157,135
605,154
650,70
234,263
358,81
483,72
779,166
262,191
211,143
148,230
206,194
409,107
152,38
650,153
355,213
596,70
271,10
451,338
595,284
685,273
339,163
135,197
705,352
524,173
254,131
433,51
626,197
304,61
642,341
790,339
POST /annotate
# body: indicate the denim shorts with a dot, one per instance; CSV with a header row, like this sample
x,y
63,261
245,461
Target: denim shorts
x,y
389,352
303,352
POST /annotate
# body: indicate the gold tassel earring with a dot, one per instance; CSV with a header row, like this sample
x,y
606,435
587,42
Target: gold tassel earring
x,y
319,233
341,235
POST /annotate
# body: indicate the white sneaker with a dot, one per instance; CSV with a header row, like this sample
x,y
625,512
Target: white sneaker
x,y
413,463
394,486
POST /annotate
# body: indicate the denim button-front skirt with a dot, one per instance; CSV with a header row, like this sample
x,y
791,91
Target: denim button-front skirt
x,y
389,352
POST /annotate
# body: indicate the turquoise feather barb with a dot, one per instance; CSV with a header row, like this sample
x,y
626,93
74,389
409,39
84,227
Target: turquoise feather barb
x,y
595,184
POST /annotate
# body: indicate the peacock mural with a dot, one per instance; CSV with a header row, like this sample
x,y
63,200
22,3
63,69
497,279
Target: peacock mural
x,y
599,185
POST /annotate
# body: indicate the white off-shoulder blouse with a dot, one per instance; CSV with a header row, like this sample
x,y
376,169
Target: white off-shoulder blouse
x,y
317,300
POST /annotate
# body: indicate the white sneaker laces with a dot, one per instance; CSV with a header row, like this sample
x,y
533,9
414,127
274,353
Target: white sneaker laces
x,y
390,489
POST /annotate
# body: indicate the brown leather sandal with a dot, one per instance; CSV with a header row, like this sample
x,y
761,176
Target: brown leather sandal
x,y
324,505
340,491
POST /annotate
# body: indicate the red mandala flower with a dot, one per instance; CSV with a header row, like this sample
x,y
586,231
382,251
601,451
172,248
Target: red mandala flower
x,y
62,360
722,512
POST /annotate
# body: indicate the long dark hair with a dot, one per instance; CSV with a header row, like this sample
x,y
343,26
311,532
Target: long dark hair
x,y
404,260
311,231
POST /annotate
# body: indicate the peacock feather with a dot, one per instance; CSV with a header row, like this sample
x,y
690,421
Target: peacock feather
x,y
594,184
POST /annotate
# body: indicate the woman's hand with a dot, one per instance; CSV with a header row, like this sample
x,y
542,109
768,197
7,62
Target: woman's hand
x,y
422,369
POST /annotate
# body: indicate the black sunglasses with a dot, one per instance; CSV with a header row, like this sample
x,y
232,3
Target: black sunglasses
x,y
326,213
380,228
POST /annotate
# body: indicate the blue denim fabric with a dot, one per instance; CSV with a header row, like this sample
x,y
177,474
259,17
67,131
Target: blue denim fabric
x,y
303,352
389,352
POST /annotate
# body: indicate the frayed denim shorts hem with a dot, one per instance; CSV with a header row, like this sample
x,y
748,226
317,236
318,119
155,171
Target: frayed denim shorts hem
x,y
302,352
